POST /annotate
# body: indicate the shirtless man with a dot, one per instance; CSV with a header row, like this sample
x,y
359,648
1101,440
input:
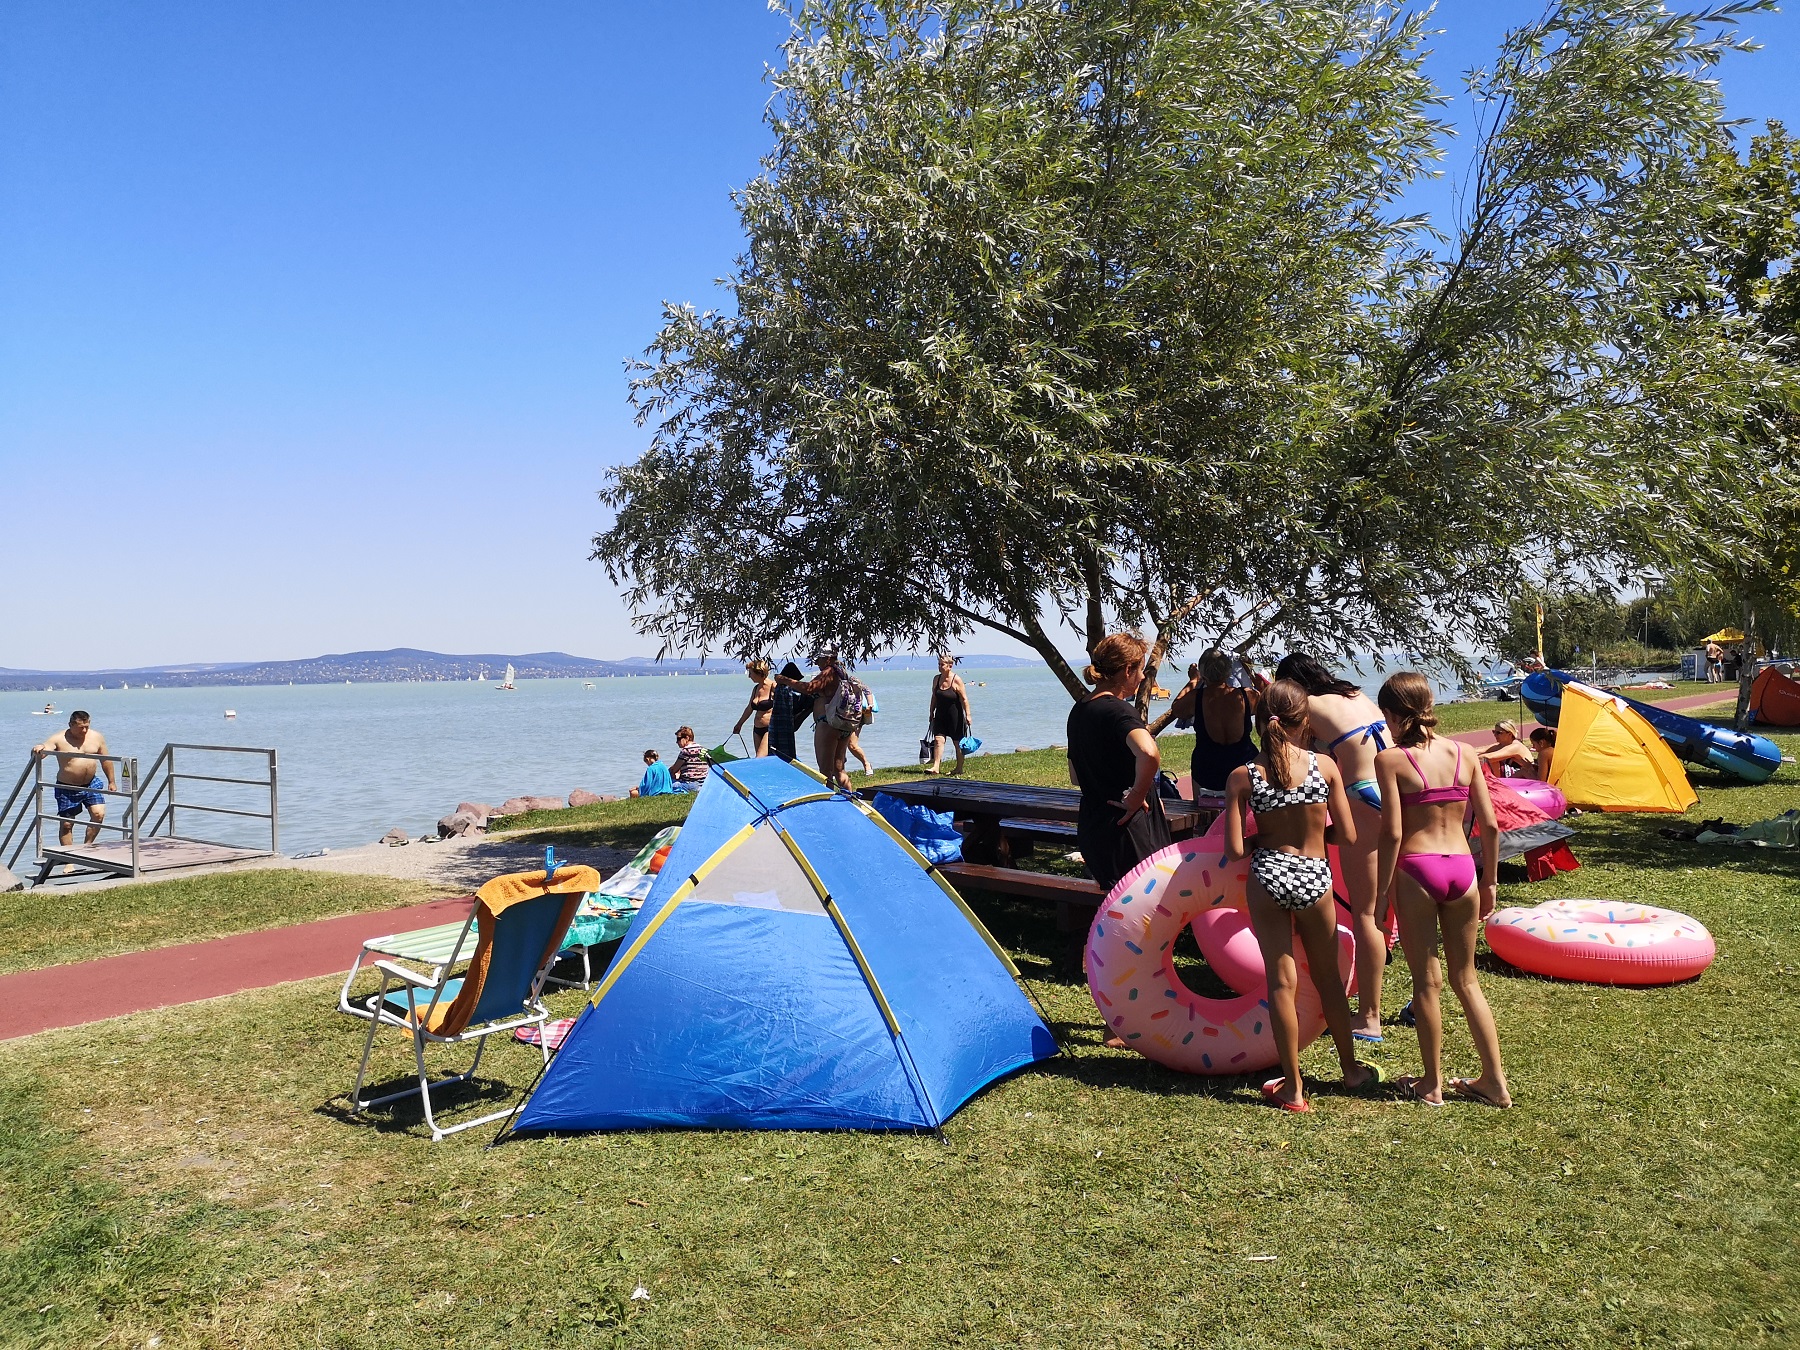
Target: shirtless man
x,y
1348,726
78,773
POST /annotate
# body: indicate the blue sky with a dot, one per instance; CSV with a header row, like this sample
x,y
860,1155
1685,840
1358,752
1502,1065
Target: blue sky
x,y
312,317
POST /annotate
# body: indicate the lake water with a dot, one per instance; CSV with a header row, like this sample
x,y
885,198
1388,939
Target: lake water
x,y
356,760
359,759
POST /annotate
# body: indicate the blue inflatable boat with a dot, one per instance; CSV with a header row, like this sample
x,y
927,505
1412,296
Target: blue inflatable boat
x,y
1751,758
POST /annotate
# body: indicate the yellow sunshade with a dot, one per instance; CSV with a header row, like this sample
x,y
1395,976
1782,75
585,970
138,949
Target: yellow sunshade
x,y
1725,635
1608,758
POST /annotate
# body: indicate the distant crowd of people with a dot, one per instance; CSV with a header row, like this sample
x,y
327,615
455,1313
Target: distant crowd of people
x,y
1333,767
840,706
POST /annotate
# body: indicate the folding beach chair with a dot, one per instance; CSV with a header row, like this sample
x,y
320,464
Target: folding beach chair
x,y
509,942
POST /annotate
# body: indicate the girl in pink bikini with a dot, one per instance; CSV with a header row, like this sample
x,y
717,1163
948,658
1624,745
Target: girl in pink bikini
x,y
1428,785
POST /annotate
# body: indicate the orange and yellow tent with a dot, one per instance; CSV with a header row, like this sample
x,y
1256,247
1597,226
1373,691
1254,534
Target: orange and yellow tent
x,y
1608,758
1775,699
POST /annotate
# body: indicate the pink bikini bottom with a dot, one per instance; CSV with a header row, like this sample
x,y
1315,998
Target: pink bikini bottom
x,y
1442,876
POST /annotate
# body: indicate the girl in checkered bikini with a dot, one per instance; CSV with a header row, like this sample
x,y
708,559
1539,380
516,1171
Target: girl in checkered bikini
x,y
1299,804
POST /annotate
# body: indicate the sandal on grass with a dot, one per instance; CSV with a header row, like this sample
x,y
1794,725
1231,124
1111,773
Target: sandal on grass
x,y
1273,1086
1410,1084
1465,1089
1377,1076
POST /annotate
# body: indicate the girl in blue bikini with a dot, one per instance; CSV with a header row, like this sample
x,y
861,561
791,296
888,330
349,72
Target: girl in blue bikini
x,y
1428,785
1347,726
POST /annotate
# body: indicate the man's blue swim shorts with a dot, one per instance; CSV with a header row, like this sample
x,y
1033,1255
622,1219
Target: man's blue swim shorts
x,y
69,801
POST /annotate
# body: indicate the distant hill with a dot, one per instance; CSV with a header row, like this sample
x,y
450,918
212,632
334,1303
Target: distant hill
x,y
404,665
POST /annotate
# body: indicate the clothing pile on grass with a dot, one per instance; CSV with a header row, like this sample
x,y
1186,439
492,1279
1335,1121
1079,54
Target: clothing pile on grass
x,y
1783,831
933,833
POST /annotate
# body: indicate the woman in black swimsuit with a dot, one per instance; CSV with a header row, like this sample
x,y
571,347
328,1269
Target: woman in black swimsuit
x,y
950,717
761,706
1223,718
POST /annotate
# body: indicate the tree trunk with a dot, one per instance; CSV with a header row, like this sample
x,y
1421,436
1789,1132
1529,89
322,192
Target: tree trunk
x,y
1746,669
1044,647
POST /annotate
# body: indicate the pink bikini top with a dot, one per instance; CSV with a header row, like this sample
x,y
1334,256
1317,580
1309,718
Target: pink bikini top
x,y
1433,796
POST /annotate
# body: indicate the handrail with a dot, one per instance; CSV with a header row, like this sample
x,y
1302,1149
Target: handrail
x,y
25,776
24,816
207,778
78,754
220,810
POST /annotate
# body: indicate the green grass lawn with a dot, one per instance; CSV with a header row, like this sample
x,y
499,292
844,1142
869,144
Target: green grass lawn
x,y
188,1175
47,928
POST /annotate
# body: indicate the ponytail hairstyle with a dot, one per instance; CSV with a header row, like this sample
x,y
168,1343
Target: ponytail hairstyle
x,y
1281,719
1114,654
1306,672
1407,702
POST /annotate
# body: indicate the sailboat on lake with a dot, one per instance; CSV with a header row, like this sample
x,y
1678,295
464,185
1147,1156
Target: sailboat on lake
x,y
507,683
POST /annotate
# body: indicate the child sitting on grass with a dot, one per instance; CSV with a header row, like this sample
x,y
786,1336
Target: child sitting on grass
x,y
655,782
1427,783
1543,741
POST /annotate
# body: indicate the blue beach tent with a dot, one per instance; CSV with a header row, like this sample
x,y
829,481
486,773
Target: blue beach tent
x,y
794,967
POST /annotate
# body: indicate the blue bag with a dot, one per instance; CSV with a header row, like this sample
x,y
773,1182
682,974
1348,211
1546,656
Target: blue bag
x,y
969,744
933,833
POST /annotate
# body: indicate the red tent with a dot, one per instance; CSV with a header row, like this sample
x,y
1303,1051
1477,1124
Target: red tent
x,y
1775,699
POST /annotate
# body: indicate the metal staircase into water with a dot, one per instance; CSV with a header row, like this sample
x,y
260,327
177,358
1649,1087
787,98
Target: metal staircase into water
x,y
145,812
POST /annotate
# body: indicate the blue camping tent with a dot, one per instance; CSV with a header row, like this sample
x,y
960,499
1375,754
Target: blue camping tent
x,y
794,967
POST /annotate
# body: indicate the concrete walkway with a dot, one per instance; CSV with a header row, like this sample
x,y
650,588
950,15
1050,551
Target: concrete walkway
x,y
90,991
462,863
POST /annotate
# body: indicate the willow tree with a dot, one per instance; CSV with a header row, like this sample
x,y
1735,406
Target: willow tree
x,y
1747,560
1108,313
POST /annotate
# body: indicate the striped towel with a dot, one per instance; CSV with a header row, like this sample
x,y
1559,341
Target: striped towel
x,y
551,1033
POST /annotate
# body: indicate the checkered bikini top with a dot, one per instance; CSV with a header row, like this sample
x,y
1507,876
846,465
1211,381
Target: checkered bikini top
x,y
1309,791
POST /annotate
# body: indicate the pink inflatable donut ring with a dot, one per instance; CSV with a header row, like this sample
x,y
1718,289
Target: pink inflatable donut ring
x,y
1224,934
1141,995
1601,942
1547,799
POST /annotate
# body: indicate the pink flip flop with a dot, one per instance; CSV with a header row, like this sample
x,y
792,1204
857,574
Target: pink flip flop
x,y
1270,1088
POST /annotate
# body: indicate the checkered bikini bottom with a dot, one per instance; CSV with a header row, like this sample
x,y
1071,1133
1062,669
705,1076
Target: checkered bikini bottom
x,y
1293,880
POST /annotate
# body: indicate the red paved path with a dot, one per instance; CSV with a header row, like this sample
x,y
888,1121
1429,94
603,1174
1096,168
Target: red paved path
x,y
87,991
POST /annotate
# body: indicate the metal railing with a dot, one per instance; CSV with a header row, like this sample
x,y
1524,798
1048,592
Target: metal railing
x,y
26,823
23,818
